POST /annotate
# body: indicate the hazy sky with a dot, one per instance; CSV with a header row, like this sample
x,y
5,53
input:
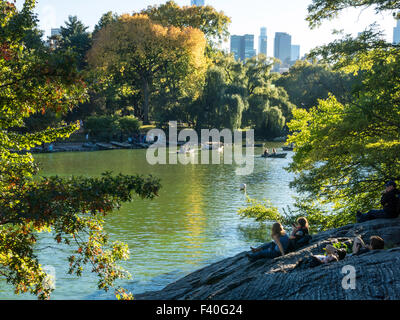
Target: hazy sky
x,y
247,17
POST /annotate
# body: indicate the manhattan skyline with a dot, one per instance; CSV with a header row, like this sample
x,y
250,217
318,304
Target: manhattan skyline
x,y
277,16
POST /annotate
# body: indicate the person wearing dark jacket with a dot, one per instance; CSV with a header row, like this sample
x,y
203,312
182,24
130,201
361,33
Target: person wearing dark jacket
x,y
300,235
389,202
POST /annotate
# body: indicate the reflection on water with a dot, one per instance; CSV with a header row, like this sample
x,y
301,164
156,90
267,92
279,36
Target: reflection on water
x,y
195,220
192,223
255,233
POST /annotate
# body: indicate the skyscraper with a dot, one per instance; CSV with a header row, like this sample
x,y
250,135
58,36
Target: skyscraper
x,y
249,51
243,46
197,2
396,33
236,46
55,32
283,48
295,55
263,41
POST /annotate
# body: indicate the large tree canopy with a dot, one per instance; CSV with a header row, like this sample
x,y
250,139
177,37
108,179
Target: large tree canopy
x,y
346,150
141,54
321,10
33,81
306,82
212,23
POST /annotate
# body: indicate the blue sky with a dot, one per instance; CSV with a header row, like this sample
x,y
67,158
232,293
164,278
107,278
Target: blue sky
x,y
247,17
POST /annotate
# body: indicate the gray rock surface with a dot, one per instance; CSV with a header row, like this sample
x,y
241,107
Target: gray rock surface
x,y
236,278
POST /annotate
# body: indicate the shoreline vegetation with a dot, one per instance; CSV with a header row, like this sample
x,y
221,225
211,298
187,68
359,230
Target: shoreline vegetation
x,y
78,143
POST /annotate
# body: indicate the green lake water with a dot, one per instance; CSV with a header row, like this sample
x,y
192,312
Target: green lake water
x,y
192,223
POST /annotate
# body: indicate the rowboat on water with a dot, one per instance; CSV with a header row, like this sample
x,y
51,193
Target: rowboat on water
x,y
186,150
259,145
289,147
274,155
218,146
105,146
121,145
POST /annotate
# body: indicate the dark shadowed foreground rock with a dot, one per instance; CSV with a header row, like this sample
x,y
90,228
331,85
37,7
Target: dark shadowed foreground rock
x,y
377,272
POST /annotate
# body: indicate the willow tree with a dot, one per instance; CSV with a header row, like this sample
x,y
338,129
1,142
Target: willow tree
x,y
307,82
144,55
33,81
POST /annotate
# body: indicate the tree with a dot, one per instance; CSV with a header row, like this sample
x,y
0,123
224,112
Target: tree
x,y
74,37
105,19
34,81
321,10
205,18
269,106
307,82
140,54
238,95
346,150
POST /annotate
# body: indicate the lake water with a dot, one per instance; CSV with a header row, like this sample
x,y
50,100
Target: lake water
x,y
192,223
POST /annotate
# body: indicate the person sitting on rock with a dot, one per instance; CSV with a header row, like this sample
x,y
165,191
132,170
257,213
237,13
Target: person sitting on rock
x,y
272,249
375,243
389,202
300,234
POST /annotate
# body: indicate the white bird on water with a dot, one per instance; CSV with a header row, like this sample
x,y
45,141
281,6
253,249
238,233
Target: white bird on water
x,y
243,186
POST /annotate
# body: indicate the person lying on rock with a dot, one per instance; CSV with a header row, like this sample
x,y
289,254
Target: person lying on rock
x,y
274,248
332,255
389,202
300,234
375,243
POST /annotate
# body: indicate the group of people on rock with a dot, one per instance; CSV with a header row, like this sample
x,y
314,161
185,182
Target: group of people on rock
x,y
282,243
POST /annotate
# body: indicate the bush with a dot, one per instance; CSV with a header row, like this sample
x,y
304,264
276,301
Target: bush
x,y
107,128
103,128
129,125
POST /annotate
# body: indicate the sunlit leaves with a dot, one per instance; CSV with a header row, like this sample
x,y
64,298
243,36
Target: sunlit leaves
x,y
148,57
212,23
36,81
321,10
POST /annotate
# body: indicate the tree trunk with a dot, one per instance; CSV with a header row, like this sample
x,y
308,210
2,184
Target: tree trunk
x,y
146,102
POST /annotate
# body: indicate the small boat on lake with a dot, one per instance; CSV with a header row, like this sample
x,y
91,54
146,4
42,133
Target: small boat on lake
x,y
259,145
274,155
217,146
121,145
289,147
105,146
186,150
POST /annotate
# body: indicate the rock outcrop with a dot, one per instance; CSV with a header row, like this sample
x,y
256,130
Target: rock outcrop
x,y
236,278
